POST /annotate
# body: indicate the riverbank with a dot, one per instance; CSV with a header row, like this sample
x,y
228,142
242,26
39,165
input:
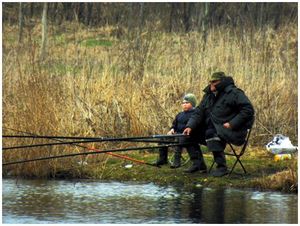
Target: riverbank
x,y
263,173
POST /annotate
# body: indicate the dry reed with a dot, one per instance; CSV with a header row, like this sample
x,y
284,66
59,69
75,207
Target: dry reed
x,y
134,87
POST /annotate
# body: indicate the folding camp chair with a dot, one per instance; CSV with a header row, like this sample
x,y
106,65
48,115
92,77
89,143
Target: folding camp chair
x,y
237,155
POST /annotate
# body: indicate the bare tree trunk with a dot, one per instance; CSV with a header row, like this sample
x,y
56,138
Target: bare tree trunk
x,y
67,9
204,22
130,18
261,15
44,32
88,13
187,13
172,13
139,50
21,22
78,10
31,9
141,17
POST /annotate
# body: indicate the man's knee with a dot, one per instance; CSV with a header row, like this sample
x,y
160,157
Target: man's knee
x,y
216,145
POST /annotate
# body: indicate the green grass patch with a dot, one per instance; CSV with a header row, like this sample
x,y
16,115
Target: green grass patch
x,y
59,39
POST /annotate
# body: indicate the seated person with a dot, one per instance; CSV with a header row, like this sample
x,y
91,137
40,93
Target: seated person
x,y
178,126
223,116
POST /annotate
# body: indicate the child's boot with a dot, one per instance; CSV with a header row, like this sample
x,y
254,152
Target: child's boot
x,y
177,159
196,157
163,157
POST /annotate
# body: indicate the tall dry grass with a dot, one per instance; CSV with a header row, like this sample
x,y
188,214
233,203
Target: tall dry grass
x,y
135,86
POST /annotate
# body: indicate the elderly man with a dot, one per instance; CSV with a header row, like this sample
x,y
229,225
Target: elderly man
x,y
224,115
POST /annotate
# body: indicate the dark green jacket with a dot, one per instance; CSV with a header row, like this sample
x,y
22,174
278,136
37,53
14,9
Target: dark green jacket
x,y
229,105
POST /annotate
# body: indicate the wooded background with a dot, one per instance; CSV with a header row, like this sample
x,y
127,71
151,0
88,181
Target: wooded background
x,y
168,17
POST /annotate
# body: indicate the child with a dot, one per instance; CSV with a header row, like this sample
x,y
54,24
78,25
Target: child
x,y
178,125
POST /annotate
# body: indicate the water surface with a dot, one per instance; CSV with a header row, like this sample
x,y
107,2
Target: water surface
x,y
60,202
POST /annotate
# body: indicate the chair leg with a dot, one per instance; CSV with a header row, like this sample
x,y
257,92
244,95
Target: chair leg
x,y
234,165
242,166
210,168
237,156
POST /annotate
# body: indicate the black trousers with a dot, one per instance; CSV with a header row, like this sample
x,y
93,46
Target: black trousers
x,y
203,135
194,150
163,153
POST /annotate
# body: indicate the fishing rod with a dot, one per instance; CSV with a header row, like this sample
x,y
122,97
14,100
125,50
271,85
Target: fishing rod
x,y
109,153
159,136
116,155
84,141
94,151
87,139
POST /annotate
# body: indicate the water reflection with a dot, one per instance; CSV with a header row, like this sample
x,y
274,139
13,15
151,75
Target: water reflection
x,y
34,201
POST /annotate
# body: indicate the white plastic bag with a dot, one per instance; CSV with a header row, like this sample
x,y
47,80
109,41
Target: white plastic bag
x,y
281,144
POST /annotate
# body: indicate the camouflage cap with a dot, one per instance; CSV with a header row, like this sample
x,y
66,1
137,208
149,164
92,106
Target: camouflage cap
x,y
217,76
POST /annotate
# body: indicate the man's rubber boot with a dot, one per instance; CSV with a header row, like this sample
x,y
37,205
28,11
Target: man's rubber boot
x,y
219,157
221,170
